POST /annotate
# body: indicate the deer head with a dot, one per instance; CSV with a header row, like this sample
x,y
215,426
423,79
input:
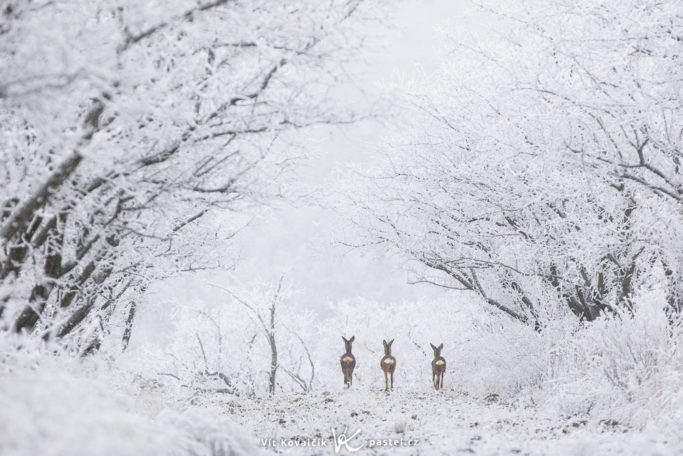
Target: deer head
x,y
348,342
387,346
437,350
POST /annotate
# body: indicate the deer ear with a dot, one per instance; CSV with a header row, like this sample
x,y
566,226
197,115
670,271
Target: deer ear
x,y
432,345
384,342
441,347
352,338
391,342
344,339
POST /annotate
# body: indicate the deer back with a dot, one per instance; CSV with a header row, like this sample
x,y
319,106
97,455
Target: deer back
x,y
348,361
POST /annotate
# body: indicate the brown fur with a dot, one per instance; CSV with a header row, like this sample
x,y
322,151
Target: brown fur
x,y
348,362
438,367
388,365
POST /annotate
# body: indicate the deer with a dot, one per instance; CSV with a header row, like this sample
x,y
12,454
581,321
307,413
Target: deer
x,y
388,364
438,367
348,362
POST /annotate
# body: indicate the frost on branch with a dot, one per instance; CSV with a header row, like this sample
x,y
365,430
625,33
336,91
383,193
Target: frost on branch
x,y
542,170
126,124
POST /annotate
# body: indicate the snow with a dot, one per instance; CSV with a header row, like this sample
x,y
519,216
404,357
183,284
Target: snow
x,y
57,405
497,399
444,422
54,405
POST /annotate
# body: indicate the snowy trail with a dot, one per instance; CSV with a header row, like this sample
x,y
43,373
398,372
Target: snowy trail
x,y
55,408
445,422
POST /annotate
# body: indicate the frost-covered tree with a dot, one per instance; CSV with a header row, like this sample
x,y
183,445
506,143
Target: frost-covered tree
x,y
543,171
125,123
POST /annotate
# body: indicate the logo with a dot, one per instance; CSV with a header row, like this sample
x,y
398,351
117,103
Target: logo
x,y
342,440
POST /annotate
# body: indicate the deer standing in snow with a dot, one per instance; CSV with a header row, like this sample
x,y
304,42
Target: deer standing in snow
x,y
388,364
348,362
438,367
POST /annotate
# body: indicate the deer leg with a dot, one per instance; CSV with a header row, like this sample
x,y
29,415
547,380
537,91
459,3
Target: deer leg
x,y
441,385
386,382
392,380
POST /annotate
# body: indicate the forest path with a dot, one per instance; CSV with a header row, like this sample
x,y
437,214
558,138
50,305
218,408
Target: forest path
x,y
425,422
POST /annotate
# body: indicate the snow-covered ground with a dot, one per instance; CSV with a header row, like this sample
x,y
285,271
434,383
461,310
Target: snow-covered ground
x,y
508,390
54,405
408,421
